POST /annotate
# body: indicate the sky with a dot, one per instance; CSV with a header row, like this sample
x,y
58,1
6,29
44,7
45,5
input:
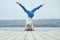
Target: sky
x,y
9,10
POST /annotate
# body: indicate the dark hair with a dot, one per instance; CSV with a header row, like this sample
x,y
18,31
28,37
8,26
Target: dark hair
x,y
28,25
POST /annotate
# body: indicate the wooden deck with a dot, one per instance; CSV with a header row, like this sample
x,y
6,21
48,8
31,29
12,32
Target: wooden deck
x,y
30,35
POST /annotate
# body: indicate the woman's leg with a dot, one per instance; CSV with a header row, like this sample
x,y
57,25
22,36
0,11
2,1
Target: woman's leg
x,y
24,8
36,8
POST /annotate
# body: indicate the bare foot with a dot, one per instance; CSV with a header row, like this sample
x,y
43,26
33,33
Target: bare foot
x,y
17,2
42,5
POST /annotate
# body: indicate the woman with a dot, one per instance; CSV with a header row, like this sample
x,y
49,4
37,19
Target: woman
x,y
30,15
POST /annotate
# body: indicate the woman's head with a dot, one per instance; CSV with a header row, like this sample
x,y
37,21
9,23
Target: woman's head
x,y
28,25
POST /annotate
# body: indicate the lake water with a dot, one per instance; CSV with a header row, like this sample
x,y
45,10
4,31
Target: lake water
x,y
35,28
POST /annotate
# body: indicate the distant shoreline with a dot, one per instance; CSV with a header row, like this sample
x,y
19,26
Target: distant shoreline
x,y
37,23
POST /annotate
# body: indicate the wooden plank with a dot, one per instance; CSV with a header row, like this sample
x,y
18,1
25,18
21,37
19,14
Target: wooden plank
x,y
30,35
55,35
36,36
40,35
48,36
15,36
19,36
6,35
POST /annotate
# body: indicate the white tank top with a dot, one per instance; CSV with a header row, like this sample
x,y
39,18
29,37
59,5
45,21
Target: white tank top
x,y
29,20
